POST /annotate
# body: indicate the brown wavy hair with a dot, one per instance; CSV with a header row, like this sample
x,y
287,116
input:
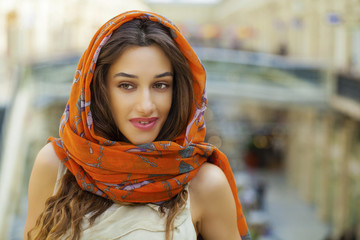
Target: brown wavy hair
x,y
65,210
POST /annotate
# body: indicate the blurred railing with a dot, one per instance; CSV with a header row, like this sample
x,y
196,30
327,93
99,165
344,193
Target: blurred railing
x,y
346,97
265,77
348,87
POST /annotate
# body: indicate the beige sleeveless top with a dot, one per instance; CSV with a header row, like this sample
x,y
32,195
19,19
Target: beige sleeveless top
x,y
134,222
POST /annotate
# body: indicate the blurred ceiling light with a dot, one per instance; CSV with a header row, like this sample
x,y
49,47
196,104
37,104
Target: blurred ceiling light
x,y
210,31
260,141
215,140
184,1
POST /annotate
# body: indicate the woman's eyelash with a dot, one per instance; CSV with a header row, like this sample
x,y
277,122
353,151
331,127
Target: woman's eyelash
x,y
125,86
161,85
129,86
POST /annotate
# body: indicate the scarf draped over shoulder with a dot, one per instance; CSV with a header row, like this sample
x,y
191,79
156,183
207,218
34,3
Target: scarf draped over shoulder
x,y
152,172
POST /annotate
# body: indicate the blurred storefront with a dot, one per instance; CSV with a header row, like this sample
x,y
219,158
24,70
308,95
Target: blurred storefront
x,y
320,30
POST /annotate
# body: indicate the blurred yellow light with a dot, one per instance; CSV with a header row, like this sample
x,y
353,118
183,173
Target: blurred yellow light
x,y
260,141
210,31
215,140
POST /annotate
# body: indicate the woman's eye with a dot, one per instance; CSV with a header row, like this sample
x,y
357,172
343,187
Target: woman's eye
x,y
161,85
126,86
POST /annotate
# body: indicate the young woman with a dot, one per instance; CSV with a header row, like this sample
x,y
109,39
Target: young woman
x,y
130,162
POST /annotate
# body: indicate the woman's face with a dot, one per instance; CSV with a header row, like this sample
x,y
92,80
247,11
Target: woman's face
x,y
140,84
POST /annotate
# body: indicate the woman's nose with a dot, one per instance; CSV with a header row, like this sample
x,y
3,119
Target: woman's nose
x,y
145,104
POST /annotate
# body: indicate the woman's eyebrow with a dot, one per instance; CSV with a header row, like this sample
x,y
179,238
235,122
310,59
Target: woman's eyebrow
x,y
122,74
128,75
165,74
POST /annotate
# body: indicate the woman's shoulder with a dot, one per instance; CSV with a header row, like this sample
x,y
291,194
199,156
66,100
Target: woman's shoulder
x,y
47,158
208,180
41,184
46,165
204,187
212,198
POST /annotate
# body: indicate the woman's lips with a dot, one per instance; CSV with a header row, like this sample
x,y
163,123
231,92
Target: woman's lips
x,y
144,123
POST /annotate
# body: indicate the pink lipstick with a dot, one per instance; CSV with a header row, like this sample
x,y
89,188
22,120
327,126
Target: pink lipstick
x,y
144,123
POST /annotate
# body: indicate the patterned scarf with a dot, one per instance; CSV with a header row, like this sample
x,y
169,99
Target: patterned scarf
x,y
124,172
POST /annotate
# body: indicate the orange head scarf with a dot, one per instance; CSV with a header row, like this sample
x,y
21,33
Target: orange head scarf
x,y
124,172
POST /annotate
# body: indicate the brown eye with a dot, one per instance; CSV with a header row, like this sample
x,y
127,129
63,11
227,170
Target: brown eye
x,y
126,86
161,86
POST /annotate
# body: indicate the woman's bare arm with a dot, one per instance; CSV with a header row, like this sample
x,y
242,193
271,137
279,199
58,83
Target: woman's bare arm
x,y
217,206
41,184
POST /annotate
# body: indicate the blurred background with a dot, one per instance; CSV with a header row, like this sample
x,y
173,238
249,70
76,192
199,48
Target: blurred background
x,y
284,101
